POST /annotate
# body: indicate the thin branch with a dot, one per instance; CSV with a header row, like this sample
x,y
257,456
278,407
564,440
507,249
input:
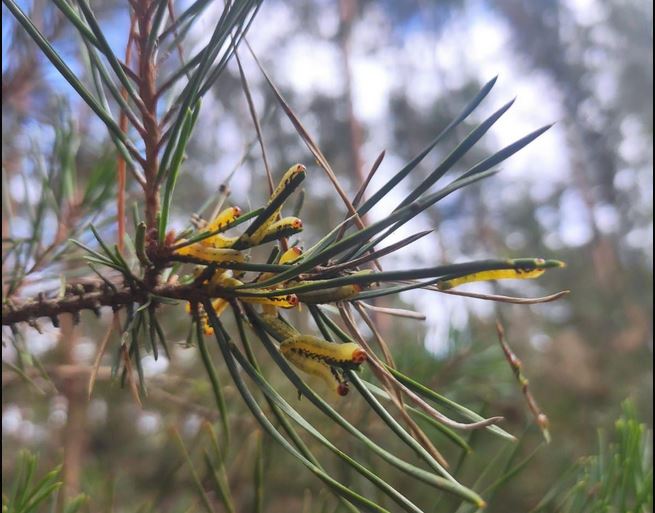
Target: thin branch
x,y
396,312
255,120
120,163
114,326
517,368
504,299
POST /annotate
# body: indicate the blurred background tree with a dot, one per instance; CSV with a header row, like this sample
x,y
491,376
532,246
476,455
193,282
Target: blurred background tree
x,y
366,76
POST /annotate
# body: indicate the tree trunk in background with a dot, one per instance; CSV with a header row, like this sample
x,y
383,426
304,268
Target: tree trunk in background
x,y
74,435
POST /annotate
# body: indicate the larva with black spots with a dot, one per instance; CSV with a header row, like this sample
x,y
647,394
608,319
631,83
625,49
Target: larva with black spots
x,y
329,295
327,373
285,227
221,222
211,255
282,301
286,301
348,355
526,269
290,256
290,180
219,306
278,327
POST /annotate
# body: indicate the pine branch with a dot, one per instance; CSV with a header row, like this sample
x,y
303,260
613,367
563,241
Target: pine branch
x,y
100,296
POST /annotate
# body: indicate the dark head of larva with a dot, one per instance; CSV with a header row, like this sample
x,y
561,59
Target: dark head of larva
x,y
342,389
236,211
292,299
359,356
296,224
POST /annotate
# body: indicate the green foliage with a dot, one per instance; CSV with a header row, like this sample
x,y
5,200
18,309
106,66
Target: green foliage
x,y
619,478
29,494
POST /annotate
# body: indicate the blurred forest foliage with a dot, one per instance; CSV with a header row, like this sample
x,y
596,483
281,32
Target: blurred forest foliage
x,y
365,76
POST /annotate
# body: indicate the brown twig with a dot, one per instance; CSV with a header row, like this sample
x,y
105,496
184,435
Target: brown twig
x,y
255,119
74,433
120,161
147,72
114,326
13,313
131,380
505,299
517,368
395,312
180,53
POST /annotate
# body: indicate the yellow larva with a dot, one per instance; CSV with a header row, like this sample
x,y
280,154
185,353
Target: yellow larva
x,y
224,281
229,282
498,274
222,220
290,222
348,355
219,306
220,241
286,223
329,295
211,255
286,301
277,327
285,227
199,269
288,177
320,369
290,255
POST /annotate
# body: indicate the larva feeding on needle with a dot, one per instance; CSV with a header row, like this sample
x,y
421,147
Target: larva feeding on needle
x,y
332,376
324,359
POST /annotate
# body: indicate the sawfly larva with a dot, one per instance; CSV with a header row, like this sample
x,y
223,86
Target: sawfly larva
x,y
526,269
348,355
290,255
256,232
285,227
211,255
219,306
225,281
499,274
331,295
286,301
286,180
330,375
221,222
220,241
278,327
